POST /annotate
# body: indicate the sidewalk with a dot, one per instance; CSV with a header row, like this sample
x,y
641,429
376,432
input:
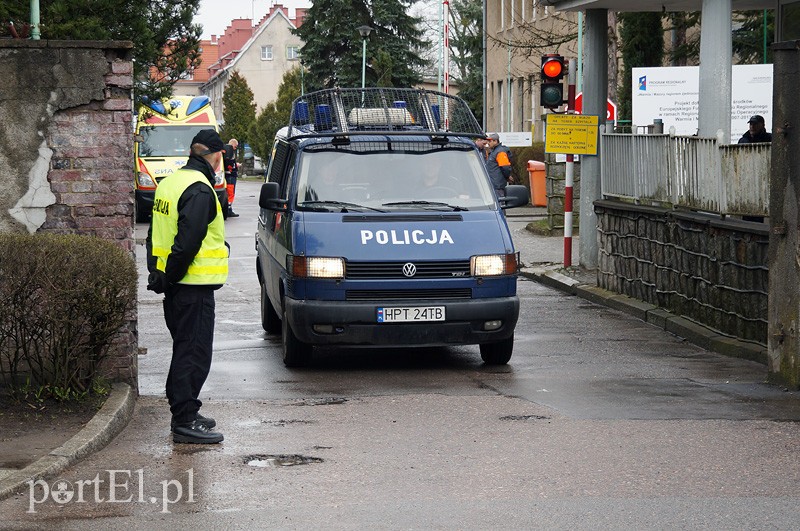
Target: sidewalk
x,y
97,433
542,261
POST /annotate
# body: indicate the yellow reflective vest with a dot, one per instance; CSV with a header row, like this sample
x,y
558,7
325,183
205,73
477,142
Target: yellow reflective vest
x,y
210,265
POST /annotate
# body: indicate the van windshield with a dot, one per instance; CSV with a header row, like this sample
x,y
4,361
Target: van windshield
x,y
441,179
168,140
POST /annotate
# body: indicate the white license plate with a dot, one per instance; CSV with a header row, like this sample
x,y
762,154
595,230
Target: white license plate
x,y
405,314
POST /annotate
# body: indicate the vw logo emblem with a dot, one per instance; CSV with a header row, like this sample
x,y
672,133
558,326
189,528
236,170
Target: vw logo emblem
x,y
409,269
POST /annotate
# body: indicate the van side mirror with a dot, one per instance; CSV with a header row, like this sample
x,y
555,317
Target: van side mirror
x,y
138,138
516,196
270,198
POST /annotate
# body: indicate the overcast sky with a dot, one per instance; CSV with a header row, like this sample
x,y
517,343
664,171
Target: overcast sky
x,y
216,15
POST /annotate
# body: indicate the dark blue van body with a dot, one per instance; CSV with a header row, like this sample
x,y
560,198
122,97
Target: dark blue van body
x,y
389,237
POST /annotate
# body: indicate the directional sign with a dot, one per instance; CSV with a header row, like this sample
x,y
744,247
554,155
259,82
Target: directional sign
x,y
574,134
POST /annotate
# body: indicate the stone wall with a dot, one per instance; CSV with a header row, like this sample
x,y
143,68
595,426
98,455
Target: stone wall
x,y
556,180
66,149
711,271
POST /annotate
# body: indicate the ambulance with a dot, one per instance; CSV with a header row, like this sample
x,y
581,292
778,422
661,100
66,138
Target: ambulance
x,y
379,227
163,132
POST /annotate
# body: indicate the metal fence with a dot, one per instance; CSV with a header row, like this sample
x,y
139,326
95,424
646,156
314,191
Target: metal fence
x,y
687,172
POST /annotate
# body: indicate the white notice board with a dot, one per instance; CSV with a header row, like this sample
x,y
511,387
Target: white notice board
x,y
672,94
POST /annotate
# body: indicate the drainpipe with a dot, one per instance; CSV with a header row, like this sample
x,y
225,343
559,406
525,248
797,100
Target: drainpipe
x,y
483,91
35,35
508,85
579,84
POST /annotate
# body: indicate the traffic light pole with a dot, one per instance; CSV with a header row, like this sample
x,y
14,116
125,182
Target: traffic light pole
x,y
569,185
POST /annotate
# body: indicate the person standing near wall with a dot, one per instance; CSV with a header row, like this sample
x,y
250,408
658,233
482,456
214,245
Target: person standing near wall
x,y
498,164
187,257
231,173
756,132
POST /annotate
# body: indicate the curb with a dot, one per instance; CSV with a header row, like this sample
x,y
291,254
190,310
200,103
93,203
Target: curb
x,y
106,424
687,329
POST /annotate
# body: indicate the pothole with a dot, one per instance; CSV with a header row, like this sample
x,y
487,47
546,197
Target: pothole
x,y
281,423
526,417
275,461
319,401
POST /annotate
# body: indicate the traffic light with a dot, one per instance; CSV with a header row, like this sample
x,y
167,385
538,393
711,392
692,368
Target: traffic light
x,y
551,93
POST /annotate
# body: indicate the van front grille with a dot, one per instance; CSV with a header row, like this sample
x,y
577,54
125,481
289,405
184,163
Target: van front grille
x,y
395,270
418,294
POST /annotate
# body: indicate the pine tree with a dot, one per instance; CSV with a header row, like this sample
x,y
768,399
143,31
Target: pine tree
x,y
642,44
466,19
238,108
333,46
165,41
748,37
275,114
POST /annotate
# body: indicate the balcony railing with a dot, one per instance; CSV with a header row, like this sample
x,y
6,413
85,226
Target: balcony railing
x,y
687,172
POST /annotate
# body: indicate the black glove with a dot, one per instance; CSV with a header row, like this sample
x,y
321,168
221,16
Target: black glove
x,y
157,282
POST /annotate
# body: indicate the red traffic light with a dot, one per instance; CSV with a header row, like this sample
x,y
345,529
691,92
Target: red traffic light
x,y
552,67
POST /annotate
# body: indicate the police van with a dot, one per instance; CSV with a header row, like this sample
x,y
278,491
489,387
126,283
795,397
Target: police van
x,y
378,226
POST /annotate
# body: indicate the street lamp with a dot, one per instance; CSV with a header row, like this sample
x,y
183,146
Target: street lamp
x,y
364,31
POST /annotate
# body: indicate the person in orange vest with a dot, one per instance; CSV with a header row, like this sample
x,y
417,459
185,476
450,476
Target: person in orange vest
x,y
231,173
498,164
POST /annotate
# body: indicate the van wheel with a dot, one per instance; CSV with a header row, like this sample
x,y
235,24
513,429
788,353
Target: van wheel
x,y
270,320
498,353
295,352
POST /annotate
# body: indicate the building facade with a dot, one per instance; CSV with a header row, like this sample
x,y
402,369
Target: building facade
x,y
518,32
261,54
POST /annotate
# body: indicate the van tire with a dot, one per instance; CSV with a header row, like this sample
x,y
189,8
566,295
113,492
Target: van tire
x,y
498,353
270,320
295,352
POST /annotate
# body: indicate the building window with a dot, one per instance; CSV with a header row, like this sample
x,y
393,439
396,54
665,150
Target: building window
x,y
501,101
292,53
266,53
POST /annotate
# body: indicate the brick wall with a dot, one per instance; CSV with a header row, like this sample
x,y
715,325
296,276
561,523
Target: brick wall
x,y
66,150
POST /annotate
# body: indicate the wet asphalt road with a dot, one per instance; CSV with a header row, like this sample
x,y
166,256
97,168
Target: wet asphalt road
x,y
599,421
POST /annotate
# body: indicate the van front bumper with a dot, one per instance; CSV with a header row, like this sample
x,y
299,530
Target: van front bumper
x,y
356,323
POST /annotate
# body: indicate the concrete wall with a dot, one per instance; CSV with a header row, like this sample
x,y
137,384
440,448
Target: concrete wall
x,y
784,209
711,271
66,147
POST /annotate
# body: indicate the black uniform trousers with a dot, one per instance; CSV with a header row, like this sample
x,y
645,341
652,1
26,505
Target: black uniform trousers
x,y
189,313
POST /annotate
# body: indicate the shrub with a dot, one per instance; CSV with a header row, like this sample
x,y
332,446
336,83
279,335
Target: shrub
x,y
63,299
521,156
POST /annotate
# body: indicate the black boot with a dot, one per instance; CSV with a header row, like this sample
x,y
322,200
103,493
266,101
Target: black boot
x,y
232,214
195,433
208,421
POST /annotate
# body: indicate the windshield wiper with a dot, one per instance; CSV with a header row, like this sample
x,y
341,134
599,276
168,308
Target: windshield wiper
x,y
456,208
342,204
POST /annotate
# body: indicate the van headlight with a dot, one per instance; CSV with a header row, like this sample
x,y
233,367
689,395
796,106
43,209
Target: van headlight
x,y
492,265
219,178
315,266
145,180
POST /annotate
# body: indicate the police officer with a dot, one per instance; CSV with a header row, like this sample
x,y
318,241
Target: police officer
x,y
498,164
188,260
